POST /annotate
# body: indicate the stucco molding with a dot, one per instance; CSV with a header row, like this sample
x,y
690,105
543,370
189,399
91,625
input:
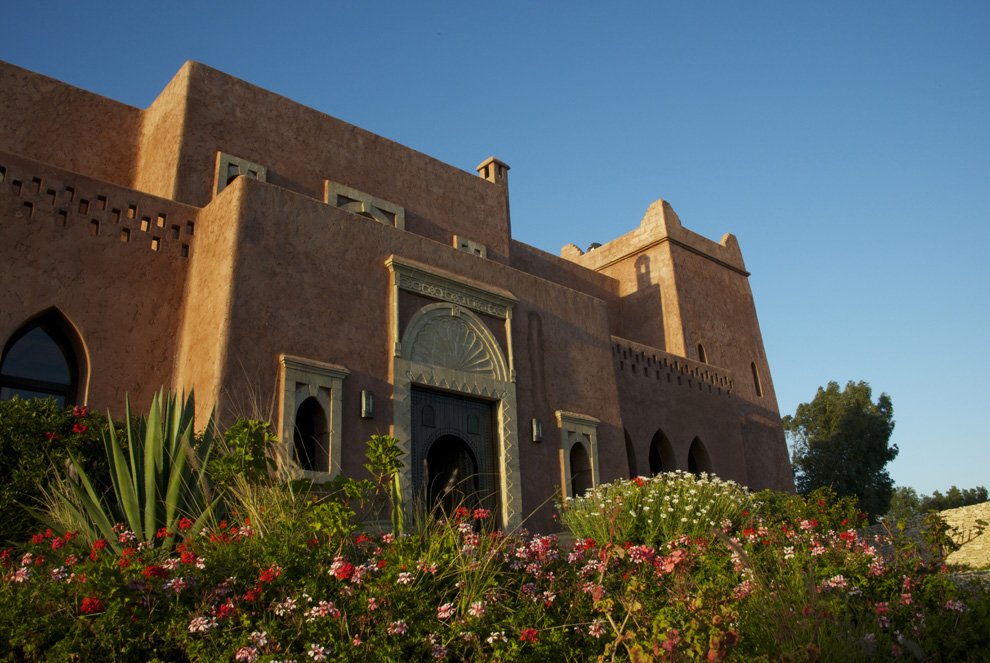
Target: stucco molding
x,y
299,379
489,384
438,284
577,429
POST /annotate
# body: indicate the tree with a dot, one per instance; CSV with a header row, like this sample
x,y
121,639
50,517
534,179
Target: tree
x,y
904,505
841,439
954,498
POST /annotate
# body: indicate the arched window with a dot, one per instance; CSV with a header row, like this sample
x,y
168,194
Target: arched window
x,y
581,477
39,361
661,454
698,460
702,356
312,437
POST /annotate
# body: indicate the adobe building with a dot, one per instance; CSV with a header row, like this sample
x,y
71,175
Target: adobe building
x,y
230,240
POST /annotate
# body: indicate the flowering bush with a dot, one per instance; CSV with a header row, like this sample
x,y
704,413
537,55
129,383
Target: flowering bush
x,y
767,588
36,434
656,509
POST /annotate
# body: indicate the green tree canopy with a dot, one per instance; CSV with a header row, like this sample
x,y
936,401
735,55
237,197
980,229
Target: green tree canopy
x,y
841,439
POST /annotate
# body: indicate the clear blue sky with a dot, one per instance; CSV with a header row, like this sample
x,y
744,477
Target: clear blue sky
x,y
846,145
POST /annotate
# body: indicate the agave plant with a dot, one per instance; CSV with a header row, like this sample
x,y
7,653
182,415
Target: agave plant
x,y
158,476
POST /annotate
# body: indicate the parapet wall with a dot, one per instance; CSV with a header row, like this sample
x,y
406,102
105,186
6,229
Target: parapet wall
x,y
52,122
659,224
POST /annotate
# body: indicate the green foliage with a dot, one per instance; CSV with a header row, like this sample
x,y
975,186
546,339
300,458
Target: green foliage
x,y
782,584
158,477
842,439
383,464
954,498
905,504
36,434
246,451
656,509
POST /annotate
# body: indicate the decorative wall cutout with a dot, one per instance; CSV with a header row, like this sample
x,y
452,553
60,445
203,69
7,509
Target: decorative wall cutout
x,y
230,168
363,204
41,196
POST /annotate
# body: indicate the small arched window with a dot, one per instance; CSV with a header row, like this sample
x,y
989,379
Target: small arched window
x,y
311,437
581,474
702,356
39,362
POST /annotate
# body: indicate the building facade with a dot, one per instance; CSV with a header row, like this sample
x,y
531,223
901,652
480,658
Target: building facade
x,y
232,241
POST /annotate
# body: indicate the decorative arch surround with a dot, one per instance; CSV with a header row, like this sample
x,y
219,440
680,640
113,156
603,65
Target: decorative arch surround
x,y
45,356
302,380
445,336
698,459
447,346
577,430
662,458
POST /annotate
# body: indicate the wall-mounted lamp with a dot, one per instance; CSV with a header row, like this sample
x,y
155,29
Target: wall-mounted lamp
x,y
537,430
367,404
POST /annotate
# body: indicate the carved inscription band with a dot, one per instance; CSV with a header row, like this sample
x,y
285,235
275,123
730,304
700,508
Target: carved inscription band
x,y
443,293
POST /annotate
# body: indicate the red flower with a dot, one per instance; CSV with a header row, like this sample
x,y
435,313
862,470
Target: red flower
x,y
162,533
154,571
638,481
188,557
91,605
528,635
185,523
361,538
462,512
37,539
57,543
344,571
99,544
79,429
52,436
269,574
80,411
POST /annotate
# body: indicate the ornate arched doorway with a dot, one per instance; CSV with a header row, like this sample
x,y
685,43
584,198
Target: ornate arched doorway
x,y
453,451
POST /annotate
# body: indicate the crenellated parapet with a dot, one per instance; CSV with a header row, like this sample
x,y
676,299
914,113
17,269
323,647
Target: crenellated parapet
x,y
78,205
654,365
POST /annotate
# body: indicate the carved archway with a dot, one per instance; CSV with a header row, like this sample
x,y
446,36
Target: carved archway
x,y
446,346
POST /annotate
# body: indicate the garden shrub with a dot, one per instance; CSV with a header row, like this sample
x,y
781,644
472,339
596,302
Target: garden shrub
x,y
247,451
656,509
35,435
284,576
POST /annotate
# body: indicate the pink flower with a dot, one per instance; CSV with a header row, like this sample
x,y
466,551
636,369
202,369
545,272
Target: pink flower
x,y
597,628
249,654
79,429
317,653
80,411
397,628
477,609
445,611
672,640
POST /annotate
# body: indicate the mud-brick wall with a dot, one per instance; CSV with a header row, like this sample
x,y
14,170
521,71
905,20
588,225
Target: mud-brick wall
x,y
113,261
55,123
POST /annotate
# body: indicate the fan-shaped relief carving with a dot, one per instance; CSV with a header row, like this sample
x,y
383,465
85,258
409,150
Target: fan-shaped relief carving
x,y
437,337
